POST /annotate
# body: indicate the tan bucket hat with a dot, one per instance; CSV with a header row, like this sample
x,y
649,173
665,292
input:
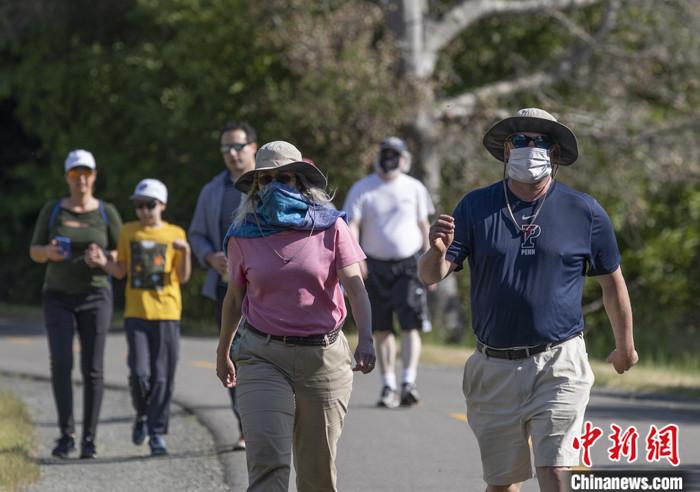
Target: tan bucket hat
x,y
532,120
281,156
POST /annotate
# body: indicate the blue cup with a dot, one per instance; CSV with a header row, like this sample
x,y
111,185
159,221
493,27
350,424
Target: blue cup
x,y
63,245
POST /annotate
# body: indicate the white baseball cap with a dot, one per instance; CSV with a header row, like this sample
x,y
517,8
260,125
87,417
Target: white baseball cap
x,y
151,188
79,157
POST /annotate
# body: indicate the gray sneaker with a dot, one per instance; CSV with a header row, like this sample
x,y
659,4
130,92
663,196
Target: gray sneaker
x,y
388,398
157,445
409,395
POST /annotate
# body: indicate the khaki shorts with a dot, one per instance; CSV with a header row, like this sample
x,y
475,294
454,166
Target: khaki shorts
x,y
538,402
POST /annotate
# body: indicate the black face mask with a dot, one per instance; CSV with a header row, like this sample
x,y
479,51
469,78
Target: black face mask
x,y
389,160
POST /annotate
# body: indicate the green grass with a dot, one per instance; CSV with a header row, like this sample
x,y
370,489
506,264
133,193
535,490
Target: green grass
x,y
17,466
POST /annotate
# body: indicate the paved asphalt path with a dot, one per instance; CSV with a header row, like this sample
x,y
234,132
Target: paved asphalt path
x,y
428,447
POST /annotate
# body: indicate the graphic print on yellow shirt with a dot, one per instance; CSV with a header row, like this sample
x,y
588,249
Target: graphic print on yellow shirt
x,y
148,260
152,287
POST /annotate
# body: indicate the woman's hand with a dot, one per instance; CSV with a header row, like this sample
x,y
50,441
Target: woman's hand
x,y
225,370
95,257
54,251
365,357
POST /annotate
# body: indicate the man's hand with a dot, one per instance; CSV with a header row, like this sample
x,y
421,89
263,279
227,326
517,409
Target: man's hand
x,y
623,360
364,356
218,262
95,257
442,233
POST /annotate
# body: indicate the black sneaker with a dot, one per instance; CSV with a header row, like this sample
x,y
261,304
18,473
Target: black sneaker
x,y
88,450
64,446
138,432
388,398
409,395
157,445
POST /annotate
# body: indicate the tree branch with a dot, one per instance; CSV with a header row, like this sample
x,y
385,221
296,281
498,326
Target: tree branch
x,y
463,105
440,33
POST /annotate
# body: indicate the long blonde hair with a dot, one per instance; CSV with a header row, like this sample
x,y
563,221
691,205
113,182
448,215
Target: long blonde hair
x,y
312,193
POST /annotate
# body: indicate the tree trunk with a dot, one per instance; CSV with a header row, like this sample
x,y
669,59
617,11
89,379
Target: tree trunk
x,y
425,130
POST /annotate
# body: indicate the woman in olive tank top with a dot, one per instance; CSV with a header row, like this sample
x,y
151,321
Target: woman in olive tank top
x,y
77,295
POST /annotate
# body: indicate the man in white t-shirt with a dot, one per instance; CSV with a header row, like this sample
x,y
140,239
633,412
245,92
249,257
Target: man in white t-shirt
x,y
388,212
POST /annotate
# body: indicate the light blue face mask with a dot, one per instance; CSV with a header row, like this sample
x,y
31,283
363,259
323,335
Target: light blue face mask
x,y
281,205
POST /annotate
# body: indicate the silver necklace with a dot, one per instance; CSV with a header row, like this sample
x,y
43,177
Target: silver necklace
x,y
533,216
284,258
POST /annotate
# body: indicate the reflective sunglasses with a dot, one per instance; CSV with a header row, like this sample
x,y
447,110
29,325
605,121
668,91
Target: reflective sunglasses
x,y
150,205
225,149
78,172
541,141
284,178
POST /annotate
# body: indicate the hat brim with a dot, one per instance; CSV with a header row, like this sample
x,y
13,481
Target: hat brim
x,y
499,132
146,197
313,174
88,165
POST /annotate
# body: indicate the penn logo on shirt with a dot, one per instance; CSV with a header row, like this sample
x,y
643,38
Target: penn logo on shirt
x,y
530,233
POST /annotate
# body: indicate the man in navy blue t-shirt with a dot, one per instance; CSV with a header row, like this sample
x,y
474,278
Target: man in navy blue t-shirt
x,y
530,242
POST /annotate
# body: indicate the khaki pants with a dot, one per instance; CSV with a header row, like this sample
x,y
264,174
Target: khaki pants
x,y
292,395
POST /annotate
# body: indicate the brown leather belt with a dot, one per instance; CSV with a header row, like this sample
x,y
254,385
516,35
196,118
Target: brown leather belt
x,y
519,353
311,340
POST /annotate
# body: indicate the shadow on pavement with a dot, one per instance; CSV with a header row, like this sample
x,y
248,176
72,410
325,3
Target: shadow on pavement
x,y
51,461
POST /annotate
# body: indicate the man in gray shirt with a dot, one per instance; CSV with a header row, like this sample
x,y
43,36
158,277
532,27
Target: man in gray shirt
x,y
216,204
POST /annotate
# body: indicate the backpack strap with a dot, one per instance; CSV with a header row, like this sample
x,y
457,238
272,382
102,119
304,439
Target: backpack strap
x,y
101,208
57,208
54,214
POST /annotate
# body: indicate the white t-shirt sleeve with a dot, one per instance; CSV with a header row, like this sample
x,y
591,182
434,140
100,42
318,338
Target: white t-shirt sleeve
x,y
425,203
353,203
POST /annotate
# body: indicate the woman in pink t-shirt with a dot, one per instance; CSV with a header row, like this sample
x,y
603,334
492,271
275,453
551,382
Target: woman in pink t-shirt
x,y
288,252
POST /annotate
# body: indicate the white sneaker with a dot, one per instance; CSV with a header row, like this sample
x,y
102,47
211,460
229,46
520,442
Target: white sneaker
x,y
389,398
240,444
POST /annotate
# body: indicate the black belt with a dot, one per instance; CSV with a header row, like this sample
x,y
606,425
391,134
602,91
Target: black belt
x,y
312,340
519,353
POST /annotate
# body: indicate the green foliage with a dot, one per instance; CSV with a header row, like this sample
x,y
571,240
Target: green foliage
x,y
146,84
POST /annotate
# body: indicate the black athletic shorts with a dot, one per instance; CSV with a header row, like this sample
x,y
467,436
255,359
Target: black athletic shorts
x,y
394,287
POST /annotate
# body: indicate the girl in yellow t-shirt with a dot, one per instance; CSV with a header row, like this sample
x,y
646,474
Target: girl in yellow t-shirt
x,y
155,258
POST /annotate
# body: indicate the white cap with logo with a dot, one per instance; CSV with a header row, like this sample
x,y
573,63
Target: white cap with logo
x,y
151,188
79,157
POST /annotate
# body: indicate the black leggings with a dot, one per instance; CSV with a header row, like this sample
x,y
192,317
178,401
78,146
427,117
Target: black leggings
x,y
90,314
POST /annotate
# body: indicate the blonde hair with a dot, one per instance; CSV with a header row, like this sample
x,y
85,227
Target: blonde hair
x,y
312,193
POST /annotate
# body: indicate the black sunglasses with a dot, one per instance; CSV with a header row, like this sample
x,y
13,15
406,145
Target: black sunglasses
x,y
520,141
150,205
225,149
284,178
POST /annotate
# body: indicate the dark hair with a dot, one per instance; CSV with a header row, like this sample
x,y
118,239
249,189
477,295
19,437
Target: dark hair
x,y
250,134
